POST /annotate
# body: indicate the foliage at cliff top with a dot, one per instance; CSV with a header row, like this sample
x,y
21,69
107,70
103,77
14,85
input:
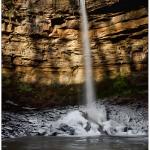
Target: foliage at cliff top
x,y
8,3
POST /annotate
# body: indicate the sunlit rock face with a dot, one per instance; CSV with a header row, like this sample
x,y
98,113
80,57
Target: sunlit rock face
x,y
41,40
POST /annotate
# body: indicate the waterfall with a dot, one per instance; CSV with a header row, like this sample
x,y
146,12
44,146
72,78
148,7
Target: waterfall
x,y
89,87
97,115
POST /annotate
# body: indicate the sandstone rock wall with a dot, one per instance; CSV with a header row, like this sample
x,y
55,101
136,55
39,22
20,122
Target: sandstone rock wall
x,y
41,40
42,43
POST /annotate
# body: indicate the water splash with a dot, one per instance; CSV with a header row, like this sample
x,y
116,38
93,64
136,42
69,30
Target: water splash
x,y
70,121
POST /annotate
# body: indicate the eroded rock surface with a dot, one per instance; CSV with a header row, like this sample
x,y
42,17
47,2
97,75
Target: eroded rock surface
x,y
41,40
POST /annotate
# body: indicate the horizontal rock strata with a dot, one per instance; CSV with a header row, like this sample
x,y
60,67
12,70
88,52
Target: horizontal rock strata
x,y
41,40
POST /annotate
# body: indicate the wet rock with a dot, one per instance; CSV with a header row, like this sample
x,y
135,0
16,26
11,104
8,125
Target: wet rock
x,y
18,124
54,134
67,129
84,114
41,132
88,127
100,129
8,128
126,129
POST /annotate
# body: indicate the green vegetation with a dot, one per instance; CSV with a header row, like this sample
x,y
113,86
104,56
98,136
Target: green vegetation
x,y
6,82
8,3
120,86
55,85
24,88
40,95
10,6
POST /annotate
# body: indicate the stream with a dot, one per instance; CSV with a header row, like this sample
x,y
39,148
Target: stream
x,y
125,128
75,143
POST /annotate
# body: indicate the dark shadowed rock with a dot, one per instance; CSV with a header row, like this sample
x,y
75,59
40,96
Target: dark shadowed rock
x,y
126,129
67,129
88,127
54,134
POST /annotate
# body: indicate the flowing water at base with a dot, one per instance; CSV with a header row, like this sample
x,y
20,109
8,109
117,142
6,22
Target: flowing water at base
x,y
70,128
75,143
119,120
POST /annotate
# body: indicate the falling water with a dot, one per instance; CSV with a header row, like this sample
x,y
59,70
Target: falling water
x,y
97,115
89,88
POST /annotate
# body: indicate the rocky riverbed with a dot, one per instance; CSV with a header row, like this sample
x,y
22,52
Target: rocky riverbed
x,y
124,120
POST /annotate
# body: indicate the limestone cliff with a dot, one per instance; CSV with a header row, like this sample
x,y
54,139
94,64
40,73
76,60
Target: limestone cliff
x,y
41,42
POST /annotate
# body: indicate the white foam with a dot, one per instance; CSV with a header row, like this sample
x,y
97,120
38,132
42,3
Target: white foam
x,y
96,113
75,120
78,122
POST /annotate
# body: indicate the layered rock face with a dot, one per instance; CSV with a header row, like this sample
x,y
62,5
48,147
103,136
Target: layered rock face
x,y
41,40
